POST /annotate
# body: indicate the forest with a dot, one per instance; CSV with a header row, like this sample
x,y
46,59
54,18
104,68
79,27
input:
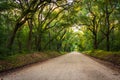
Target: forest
x,y
59,25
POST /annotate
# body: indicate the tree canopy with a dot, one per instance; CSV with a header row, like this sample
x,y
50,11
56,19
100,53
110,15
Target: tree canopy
x,y
61,25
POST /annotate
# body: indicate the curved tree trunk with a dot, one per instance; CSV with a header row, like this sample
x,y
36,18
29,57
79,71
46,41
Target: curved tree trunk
x,y
13,35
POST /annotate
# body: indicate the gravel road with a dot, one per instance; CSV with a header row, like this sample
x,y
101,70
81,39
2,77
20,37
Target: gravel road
x,y
72,66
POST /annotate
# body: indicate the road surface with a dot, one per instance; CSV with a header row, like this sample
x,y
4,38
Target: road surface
x,y
73,66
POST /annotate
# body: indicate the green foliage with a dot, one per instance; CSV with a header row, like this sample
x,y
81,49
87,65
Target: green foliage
x,y
100,23
4,5
40,26
113,57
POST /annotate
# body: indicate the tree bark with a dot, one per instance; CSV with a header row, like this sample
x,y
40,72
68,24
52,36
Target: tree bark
x,y
108,43
95,42
108,30
13,36
19,43
39,47
29,42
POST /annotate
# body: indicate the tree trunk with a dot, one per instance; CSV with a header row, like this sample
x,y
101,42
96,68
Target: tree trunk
x,y
13,37
19,44
108,30
49,39
59,46
39,48
29,42
95,42
19,23
108,42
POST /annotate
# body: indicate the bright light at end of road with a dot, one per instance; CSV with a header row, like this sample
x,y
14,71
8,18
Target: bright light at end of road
x,y
70,1
77,28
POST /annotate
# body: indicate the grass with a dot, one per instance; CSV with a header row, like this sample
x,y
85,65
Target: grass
x,y
19,60
113,57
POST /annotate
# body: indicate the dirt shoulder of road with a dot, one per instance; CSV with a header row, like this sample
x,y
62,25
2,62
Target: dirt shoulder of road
x,y
20,61
106,63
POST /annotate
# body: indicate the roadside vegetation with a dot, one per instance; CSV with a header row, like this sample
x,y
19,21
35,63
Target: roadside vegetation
x,y
20,60
113,57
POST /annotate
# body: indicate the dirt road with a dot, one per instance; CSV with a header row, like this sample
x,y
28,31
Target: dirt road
x,y
73,66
